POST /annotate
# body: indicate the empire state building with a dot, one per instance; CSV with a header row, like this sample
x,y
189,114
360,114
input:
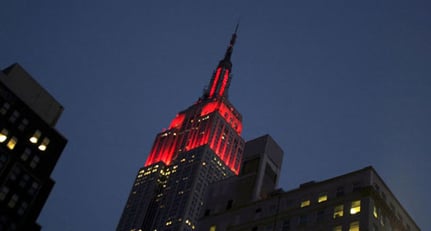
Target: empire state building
x,y
202,145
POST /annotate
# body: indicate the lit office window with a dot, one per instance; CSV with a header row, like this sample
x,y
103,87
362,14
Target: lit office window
x,y
305,203
213,228
44,144
3,135
338,211
322,198
35,137
338,228
375,213
354,226
12,142
356,207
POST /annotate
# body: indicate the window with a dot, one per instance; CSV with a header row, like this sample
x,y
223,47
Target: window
x,y
34,162
213,228
338,211
35,138
322,198
12,142
356,207
229,204
340,191
305,203
320,216
14,116
3,135
3,160
303,219
3,192
23,124
26,154
13,201
356,186
22,208
4,108
286,225
354,226
375,213
44,144
337,228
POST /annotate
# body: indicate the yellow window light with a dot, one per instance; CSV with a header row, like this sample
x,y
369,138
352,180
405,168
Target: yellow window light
x,y
375,213
356,207
44,144
338,211
12,142
305,203
35,138
3,135
322,198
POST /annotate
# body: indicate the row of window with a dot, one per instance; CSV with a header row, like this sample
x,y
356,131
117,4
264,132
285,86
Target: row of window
x,y
353,226
355,208
12,140
320,199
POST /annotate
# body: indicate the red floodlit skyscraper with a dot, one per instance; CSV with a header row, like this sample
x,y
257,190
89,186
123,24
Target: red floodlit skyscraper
x,y
202,145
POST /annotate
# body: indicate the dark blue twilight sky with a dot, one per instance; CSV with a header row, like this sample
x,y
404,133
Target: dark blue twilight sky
x,y
339,84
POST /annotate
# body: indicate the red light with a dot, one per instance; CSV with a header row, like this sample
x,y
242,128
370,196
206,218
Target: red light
x,y
214,84
203,131
225,78
177,121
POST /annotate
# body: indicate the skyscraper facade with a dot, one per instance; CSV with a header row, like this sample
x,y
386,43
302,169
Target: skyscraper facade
x,y
201,175
29,148
202,145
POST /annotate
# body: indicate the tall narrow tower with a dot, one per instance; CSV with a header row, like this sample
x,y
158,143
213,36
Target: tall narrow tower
x,y
202,145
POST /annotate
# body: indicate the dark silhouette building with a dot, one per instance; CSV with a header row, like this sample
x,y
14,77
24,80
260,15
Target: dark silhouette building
x,y
29,148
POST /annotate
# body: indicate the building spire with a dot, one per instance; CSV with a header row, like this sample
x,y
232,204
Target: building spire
x,y
225,62
220,81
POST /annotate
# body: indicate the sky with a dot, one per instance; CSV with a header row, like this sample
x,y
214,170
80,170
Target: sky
x,y
340,85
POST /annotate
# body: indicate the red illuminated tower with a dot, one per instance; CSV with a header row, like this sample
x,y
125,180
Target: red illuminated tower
x,y
202,145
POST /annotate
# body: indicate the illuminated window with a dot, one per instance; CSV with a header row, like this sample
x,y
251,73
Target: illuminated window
x,y
44,144
305,203
35,138
375,214
356,207
322,198
12,142
354,226
338,228
213,228
338,211
3,135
